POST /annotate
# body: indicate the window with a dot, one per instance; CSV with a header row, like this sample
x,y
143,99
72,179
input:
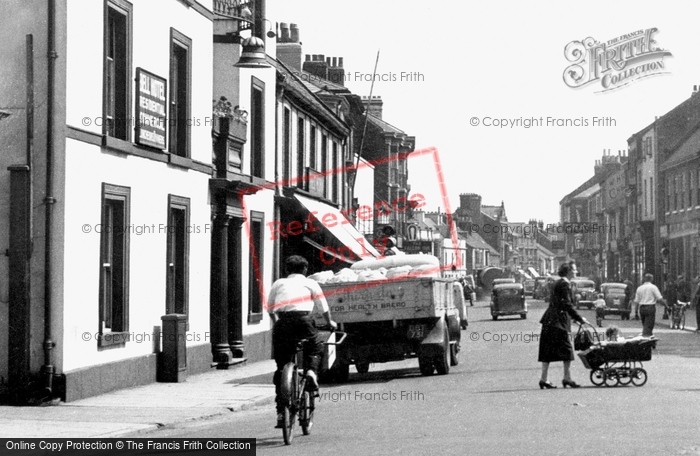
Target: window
x,y
180,83
300,153
645,198
255,302
257,128
312,148
287,146
114,265
117,69
651,195
675,193
334,194
324,159
177,261
668,194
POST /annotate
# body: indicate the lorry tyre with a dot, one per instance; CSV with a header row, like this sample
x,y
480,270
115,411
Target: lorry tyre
x,y
442,361
425,364
362,368
454,354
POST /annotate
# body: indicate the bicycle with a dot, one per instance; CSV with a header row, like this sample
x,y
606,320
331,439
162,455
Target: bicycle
x,y
298,399
678,315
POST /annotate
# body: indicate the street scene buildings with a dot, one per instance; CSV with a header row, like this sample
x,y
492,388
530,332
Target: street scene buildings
x,y
159,161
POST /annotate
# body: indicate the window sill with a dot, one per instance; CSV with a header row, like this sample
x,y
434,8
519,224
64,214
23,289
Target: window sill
x,y
120,146
112,339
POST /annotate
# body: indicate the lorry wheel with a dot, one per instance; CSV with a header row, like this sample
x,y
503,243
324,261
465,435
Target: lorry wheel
x,y
442,361
454,354
425,364
362,368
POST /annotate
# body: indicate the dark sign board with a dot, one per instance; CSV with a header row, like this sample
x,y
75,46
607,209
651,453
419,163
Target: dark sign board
x,y
417,247
151,104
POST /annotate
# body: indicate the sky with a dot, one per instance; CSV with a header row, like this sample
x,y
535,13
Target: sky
x,y
480,61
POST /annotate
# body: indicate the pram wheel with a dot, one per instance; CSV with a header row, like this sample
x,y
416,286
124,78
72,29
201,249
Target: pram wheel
x,y
639,377
625,376
610,377
597,377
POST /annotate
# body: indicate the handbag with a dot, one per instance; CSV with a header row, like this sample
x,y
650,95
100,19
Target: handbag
x,y
583,339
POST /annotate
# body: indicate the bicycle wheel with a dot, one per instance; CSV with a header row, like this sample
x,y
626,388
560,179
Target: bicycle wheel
x,y
288,388
306,414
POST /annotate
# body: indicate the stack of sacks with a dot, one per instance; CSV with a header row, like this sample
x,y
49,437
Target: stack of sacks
x,y
399,271
322,277
370,275
425,270
344,275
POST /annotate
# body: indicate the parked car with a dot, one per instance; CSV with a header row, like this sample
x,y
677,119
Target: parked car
x,y
584,291
508,299
616,302
540,288
529,286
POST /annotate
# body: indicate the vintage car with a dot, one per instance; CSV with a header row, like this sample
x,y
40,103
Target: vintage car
x,y
502,281
540,290
529,285
584,291
616,302
508,299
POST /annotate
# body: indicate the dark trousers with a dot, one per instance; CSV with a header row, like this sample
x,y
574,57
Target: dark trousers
x,y
647,313
288,330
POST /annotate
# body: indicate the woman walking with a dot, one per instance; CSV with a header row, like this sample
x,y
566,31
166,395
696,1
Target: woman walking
x,y
555,338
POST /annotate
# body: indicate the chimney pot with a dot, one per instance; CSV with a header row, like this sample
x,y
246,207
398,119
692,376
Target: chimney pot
x,y
335,62
294,33
328,61
284,32
340,62
308,57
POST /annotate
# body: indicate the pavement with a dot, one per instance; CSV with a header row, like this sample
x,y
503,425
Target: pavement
x,y
145,408
153,406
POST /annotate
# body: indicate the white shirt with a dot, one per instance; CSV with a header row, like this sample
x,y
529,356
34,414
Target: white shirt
x,y
296,293
647,294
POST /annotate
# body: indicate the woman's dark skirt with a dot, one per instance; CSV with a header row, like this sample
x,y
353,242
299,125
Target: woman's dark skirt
x,y
555,345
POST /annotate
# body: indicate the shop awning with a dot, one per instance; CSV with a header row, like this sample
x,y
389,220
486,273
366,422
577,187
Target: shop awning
x,y
339,226
524,274
533,272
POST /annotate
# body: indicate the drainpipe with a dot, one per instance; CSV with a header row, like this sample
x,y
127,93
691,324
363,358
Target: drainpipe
x,y
47,370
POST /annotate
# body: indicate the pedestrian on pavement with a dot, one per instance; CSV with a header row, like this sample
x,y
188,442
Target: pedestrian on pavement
x,y
671,295
683,289
629,292
647,296
291,303
696,299
555,338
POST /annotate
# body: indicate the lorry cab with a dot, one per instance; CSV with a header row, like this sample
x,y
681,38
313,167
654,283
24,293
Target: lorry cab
x,y
508,299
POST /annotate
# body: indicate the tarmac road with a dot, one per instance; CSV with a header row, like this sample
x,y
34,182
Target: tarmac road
x,y
490,403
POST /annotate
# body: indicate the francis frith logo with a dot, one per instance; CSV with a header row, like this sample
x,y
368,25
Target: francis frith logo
x,y
614,63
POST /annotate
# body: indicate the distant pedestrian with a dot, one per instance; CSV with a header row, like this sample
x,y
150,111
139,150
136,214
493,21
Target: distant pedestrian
x,y
629,292
683,289
646,297
555,338
696,300
671,295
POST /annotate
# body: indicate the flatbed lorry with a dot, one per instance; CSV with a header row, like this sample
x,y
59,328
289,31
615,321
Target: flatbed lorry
x,y
396,319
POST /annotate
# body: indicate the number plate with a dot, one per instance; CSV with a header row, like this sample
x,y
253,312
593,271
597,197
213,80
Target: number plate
x,y
416,331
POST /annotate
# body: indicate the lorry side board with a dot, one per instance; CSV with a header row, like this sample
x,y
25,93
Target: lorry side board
x,y
406,298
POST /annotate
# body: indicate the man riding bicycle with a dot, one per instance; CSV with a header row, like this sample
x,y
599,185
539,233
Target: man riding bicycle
x,y
291,303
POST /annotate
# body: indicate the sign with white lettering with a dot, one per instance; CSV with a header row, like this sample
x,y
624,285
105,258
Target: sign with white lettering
x,y
151,107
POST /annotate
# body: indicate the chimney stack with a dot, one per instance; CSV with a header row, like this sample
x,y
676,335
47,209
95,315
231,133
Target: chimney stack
x,y
288,46
374,106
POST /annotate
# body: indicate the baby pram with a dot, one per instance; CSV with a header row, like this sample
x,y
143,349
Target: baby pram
x,y
613,363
